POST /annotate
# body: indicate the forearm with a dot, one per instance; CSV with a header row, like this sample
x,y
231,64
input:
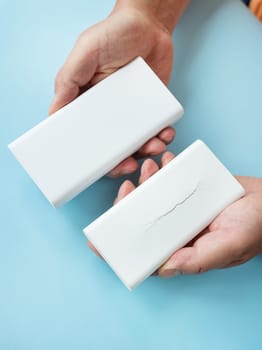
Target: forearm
x,y
167,12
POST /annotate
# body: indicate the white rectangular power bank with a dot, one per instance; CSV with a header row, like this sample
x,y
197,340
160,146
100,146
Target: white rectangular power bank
x,y
81,142
138,234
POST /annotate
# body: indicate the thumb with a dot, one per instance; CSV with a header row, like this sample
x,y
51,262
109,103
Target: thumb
x,y
76,72
212,250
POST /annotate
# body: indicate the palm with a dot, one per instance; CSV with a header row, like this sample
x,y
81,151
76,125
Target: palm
x,y
140,36
239,219
231,239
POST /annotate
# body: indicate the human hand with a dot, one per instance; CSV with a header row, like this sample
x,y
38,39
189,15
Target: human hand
x,y
134,28
234,236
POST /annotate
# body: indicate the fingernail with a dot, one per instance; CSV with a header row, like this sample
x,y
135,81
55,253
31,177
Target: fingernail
x,y
169,272
114,173
125,171
122,172
169,139
117,172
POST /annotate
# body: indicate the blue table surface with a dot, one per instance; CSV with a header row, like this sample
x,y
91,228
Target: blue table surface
x,y
54,293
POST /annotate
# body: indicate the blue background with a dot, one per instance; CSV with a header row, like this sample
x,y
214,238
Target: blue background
x,y
54,293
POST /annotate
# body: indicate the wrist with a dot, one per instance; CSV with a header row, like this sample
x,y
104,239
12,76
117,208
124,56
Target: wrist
x,y
166,12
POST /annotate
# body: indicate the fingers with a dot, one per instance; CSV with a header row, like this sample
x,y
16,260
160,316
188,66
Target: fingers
x,y
167,135
211,251
152,147
148,168
124,190
128,166
77,71
166,158
157,144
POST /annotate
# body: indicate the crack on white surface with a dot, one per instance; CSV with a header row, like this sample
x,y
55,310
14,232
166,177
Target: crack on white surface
x,y
174,207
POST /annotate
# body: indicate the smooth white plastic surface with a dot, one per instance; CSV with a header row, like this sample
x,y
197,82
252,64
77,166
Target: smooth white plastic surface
x,y
84,140
138,234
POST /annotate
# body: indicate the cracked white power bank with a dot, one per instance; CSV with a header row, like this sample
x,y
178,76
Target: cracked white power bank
x,y
80,143
138,234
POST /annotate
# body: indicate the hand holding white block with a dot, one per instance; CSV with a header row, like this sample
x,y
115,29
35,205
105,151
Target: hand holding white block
x,y
84,140
141,232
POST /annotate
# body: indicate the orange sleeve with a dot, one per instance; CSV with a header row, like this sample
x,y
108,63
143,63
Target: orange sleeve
x,y
256,8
